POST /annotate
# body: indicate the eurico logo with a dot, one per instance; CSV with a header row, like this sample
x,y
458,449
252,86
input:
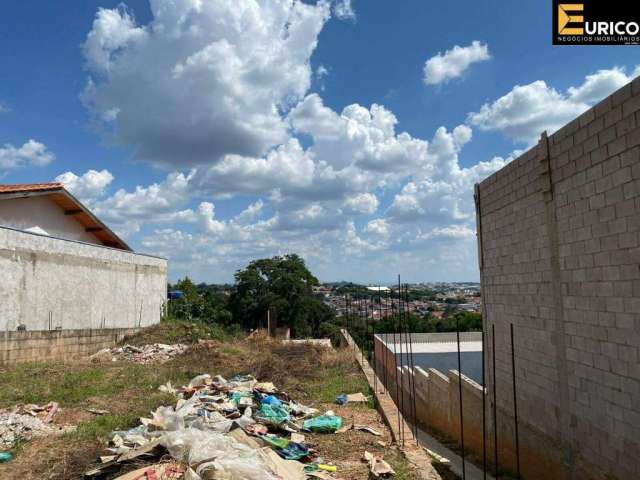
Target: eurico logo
x,y
567,14
595,22
611,28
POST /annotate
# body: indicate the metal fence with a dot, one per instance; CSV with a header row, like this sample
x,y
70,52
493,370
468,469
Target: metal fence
x,y
361,317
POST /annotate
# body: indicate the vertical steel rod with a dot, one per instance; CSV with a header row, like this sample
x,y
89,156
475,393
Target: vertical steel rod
x,y
484,411
395,365
515,403
412,376
464,472
386,344
495,403
400,318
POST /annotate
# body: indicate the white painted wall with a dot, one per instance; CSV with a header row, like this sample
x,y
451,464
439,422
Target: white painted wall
x,y
79,284
40,212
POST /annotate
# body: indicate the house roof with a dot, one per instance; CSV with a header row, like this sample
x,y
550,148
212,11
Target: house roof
x,y
71,206
30,187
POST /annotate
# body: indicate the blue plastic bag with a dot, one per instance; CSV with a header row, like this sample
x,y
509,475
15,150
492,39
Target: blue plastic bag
x,y
271,400
293,451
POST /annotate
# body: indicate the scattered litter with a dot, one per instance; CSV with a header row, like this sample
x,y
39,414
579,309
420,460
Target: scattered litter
x,y
167,388
328,423
97,411
283,469
357,397
51,409
438,458
25,422
365,428
266,387
377,466
155,353
362,428
164,471
343,398
5,457
320,342
224,429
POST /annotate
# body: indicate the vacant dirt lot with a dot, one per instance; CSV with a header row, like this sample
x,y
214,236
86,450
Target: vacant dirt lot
x,y
311,375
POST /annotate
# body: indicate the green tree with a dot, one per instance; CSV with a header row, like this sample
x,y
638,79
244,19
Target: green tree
x,y
202,302
283,284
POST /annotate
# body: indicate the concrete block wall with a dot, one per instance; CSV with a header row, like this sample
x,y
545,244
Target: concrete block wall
x,y
76,285
559,253
437,409
16,347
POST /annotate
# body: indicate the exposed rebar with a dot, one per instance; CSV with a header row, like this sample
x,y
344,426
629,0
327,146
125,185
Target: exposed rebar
x,y
484,412
515,403
495,403
464,472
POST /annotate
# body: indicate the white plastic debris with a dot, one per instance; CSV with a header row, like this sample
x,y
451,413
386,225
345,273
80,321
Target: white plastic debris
x,y
155,353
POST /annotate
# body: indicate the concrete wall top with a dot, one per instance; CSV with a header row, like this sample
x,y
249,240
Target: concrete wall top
x,y
559,140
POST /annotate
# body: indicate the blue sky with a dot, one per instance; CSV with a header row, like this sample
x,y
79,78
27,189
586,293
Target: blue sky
x,y
350,132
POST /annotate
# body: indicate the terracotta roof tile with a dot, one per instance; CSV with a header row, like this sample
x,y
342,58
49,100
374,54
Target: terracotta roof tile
x,y
30,187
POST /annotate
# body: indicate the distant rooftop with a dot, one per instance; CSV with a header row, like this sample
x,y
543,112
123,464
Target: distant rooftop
x,y
378,289
434,342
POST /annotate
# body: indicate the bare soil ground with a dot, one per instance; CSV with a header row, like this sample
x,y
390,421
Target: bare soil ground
x,y
312,375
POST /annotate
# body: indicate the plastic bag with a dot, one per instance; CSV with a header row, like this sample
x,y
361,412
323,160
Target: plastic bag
x,y
272,415
293,451
200,380
299,409
215,451
238,469
342,399
237,396
271,400
323,424
276,441
246,419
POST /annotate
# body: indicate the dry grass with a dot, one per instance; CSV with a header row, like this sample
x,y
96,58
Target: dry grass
x,y
311,374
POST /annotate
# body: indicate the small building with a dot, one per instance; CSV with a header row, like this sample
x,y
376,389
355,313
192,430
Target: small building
x,y
64,269
378,289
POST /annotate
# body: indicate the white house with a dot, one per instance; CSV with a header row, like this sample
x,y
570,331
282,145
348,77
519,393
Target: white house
x,y
62,268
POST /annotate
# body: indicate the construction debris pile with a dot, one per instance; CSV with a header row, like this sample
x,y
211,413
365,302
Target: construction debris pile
x,y
237,429
155,353
25,422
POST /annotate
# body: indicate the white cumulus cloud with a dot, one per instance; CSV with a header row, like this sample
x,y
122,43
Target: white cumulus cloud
x,y
453,63
31,153
366,203
343,9
88,186
527,110
201,79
